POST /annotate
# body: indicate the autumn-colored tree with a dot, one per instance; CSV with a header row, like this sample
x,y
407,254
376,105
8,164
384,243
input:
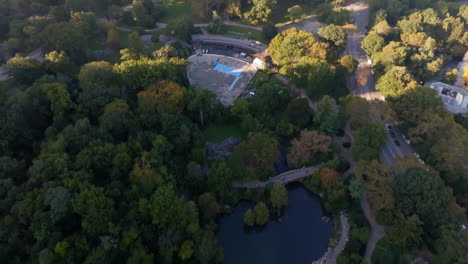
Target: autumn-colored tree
x,y
309,142
328,177
163,96
113,39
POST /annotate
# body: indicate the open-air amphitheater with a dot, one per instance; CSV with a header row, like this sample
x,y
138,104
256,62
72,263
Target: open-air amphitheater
x,y
225,76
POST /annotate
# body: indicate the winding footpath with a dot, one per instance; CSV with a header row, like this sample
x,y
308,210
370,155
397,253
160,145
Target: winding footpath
x,y
332,253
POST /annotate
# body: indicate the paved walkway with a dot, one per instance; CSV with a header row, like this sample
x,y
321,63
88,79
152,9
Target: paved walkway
x,y
285,177
230,23
332,253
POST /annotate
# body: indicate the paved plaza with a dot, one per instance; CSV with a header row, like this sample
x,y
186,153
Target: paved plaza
x,y
226,77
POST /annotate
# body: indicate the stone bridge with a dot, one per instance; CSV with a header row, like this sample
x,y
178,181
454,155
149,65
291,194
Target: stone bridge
x,y
285,177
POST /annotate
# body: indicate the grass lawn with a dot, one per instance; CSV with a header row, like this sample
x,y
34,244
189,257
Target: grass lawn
x,y
218,133
177,11
245,33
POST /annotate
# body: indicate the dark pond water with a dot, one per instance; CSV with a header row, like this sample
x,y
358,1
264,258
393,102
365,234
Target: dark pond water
x,y
298,238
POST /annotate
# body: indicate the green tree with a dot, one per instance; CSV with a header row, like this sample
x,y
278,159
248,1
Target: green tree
x,y
325,116
257,155
336,34
181,29
279,196
59,62
260,11
186,250
72,40
95,208
395,82
59,98
289,46
209,207
349,63
24,70
241,108
372,43
116,119
144,175
219,177
451,246
261,214
165,207
424,194
249,218
134,42
315,75
99,85
368,141
299,112
377,181
59,201
407,232
356,110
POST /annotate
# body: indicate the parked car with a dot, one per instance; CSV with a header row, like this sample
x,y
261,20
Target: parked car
x,y
392,134
421,161
406,139
397,142
388,126
463,226
416,155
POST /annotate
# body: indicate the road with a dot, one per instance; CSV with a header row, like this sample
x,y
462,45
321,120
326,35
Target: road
x,y
332,253
363,83
285,177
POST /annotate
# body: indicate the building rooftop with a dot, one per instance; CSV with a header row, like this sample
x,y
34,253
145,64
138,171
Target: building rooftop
x,y
454,98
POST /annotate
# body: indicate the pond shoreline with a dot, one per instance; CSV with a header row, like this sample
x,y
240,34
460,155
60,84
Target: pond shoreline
x,y
297,235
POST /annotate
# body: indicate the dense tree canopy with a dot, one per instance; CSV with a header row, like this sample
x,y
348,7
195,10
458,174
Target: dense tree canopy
x,y
369,140
292,44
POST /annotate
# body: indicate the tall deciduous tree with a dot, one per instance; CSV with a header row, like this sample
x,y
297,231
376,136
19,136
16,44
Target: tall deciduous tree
x,y
292,44
369,140
261,214
372,43
424,194
59,98
326,117
299,112
257,154
308,143
336,34
95,208
279,196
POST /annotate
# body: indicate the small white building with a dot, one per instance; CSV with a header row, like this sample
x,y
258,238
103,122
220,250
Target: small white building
x,y
454,98
260,64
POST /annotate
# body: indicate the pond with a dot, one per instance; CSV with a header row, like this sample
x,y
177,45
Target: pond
x,y
299,237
